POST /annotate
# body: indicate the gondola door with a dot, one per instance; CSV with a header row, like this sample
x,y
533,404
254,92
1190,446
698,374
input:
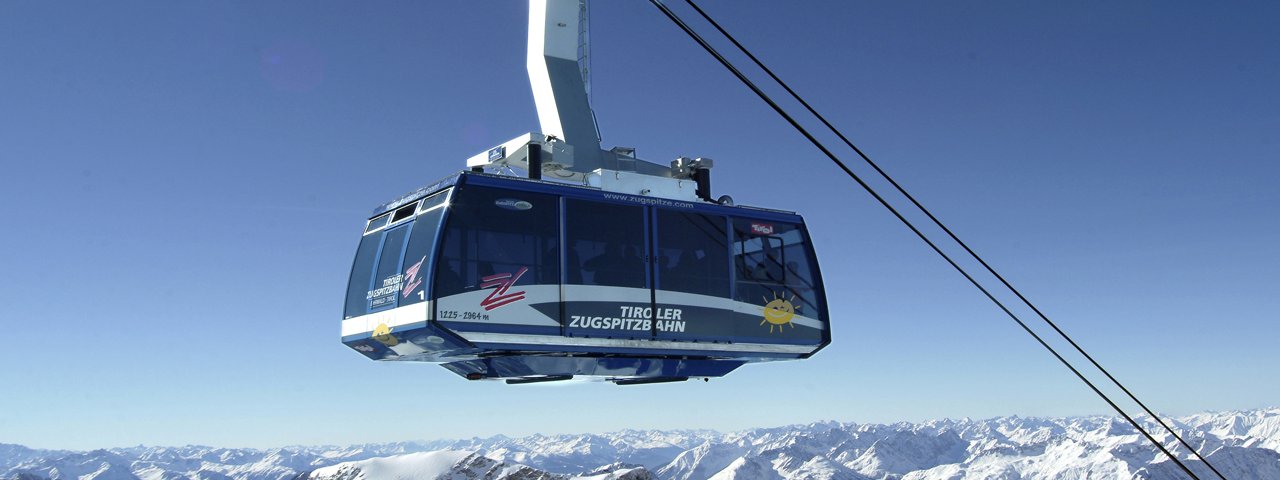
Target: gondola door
x,y
691,266
607,276
385,288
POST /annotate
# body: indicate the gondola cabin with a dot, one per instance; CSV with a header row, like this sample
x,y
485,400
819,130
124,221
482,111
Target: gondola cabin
x,y
527,280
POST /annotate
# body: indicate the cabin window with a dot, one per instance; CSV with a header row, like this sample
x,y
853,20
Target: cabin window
x,y
422,242
693,253
361,273
435,201
387,280
771,260
404,212
377,223
606,244
494,232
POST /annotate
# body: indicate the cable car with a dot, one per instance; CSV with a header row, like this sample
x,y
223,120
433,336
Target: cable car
x,y
610,267
500,277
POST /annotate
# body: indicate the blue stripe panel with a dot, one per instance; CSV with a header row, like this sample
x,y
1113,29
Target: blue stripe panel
x,y
501,328
647,352
678,337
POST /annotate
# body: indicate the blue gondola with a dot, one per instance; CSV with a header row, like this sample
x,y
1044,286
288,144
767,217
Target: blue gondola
x,y
501,277
621,269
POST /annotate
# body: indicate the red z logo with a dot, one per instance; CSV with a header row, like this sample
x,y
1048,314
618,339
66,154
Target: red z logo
x,y
411,280
499,296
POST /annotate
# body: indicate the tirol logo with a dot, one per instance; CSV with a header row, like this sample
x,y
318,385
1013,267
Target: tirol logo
x,y
761,228
512,204
501,283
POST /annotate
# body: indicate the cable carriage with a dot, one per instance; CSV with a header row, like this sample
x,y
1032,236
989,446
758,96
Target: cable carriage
x,y
620,269
498,277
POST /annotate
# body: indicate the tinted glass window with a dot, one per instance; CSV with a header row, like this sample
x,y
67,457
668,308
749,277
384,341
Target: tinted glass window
x,y
606,244
387,279
361,274
422,243
377,223
403,212
492,231
771,260
433,201
693,253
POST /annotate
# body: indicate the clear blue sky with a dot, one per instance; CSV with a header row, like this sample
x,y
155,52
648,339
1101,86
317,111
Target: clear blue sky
x,y
183,185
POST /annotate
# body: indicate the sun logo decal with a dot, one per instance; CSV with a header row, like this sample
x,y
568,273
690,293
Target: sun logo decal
x,y
778,312
382,334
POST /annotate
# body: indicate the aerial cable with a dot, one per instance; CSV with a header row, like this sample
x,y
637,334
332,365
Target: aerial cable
x,y
777,109
948,231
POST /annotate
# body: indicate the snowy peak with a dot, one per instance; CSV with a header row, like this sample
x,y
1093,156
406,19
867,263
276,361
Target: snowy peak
x,y
702,461
453,465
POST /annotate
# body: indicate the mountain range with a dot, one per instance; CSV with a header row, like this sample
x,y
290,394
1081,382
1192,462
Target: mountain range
x,y
1240,444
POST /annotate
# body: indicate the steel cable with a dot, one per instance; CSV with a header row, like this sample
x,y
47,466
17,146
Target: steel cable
x,y
949,233
777,109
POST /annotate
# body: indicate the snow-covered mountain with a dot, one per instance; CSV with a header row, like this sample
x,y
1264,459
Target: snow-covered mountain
x,y
456,465
1241,444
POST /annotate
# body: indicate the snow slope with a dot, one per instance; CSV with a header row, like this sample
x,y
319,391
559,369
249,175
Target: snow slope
x,y
453,465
